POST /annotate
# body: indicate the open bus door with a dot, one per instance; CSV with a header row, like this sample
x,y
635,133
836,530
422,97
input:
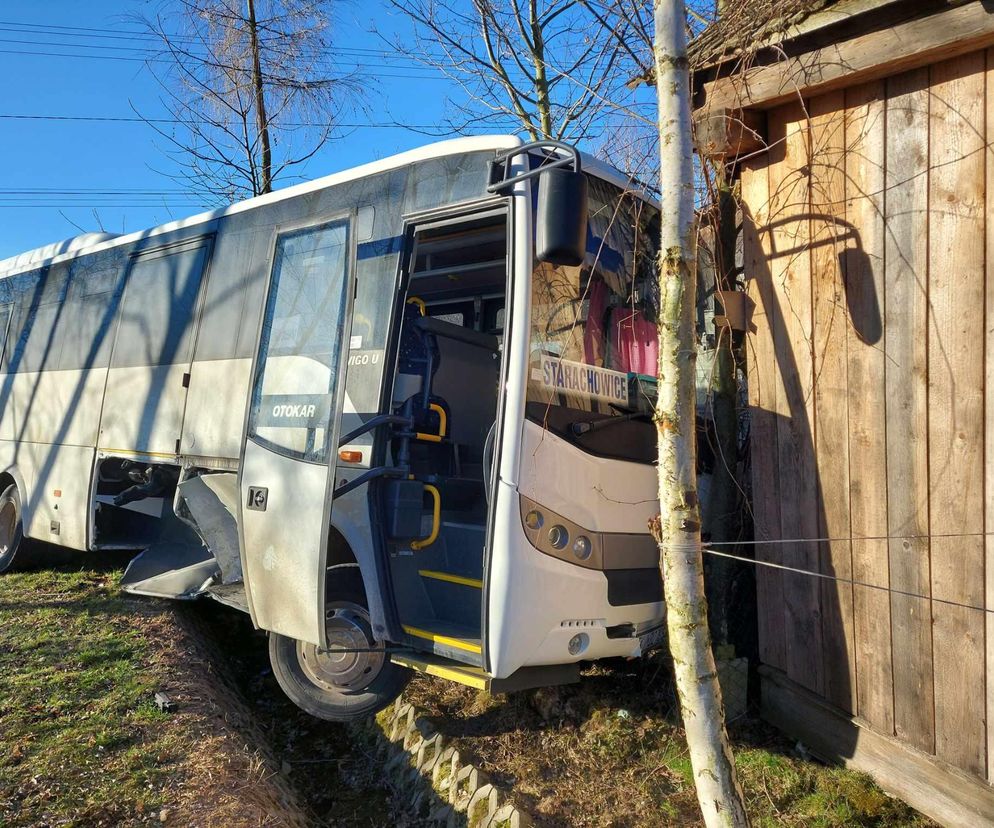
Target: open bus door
x,y
291,437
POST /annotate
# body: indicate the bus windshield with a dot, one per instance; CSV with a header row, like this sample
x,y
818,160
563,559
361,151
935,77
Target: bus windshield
x,y
593,343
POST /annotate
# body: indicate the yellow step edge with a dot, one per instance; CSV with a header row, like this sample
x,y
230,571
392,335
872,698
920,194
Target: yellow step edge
x,y
444,640
452,579
470,676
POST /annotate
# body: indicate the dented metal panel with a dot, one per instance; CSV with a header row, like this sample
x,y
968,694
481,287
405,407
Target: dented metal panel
x,y
212,501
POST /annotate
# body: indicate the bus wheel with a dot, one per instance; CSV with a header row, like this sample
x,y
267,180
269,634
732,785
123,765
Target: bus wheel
x,y
11,530
352,679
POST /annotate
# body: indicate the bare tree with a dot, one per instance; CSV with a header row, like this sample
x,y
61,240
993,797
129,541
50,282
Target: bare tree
x,y
250,88
539,64
679,527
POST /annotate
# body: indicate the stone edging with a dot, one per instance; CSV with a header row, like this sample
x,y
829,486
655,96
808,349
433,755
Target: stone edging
x,y
452,791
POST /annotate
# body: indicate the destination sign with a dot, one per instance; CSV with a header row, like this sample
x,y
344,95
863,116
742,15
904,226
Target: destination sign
x,y
586,380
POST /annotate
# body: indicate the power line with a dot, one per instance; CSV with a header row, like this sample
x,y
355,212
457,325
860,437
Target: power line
x,y
125,58
850,581
131,34
158,56
133,119
383,54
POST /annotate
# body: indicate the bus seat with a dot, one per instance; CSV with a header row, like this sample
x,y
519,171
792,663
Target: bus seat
x,y
459,368
468,379
417,358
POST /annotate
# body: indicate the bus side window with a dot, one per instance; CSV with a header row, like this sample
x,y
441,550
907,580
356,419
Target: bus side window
x,y
5,314
94,295
157,317
40,302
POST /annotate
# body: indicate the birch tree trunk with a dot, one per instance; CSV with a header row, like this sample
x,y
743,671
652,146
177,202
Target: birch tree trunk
x,y
679,527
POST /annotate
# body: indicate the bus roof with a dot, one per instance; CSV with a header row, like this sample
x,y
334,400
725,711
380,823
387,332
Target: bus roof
x,y
92,242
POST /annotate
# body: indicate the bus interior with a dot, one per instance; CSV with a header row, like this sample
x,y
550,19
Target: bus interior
x,y
452,334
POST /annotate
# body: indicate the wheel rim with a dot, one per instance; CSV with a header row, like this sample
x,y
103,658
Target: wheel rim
x,y
8,526
348,629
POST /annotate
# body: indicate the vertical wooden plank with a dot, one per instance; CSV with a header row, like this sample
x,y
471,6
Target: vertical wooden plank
x,y
956,406
864,269
792,336
829,234
905,337
989,414
762,368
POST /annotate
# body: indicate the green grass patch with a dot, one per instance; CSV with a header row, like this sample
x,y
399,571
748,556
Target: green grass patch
x,y
81,741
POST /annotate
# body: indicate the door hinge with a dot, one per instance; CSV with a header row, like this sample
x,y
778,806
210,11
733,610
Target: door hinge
x,y
186,380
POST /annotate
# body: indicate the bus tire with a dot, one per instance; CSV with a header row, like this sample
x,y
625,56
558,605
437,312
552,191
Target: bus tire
x,y
11,529
338,687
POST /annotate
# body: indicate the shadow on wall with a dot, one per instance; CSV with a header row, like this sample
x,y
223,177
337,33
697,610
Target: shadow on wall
x,y
805,621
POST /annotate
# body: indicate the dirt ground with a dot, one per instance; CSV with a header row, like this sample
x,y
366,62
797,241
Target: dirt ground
x,y
610,751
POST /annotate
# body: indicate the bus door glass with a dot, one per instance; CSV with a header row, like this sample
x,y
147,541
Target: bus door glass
x,y
292,434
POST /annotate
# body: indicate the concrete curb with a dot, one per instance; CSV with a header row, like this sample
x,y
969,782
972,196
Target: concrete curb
x,y
434,777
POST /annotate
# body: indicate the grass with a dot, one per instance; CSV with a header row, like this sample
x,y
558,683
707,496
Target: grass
x,y
82,742
610,752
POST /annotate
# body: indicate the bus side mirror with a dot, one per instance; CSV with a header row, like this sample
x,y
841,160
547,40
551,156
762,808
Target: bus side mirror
x,y
561,220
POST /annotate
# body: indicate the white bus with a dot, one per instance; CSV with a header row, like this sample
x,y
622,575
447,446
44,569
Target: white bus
x,y
401,415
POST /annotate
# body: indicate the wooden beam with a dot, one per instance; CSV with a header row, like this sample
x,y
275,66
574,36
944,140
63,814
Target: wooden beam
x,y
730,133
830,238
949,33
763,382
935,788
905,344
956,226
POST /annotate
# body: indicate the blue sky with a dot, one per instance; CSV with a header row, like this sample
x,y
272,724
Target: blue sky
x,y
67,158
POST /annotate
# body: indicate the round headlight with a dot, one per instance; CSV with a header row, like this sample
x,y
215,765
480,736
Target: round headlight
x,y
578,643
582,548
558,537
534,520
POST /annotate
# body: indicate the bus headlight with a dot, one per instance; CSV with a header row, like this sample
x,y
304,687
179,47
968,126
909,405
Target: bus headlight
x,y
582,548
578,643
534,520
558,536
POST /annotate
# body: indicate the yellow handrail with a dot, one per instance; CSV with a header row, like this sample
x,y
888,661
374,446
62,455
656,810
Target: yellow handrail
x,y
436,520
414,300
442,425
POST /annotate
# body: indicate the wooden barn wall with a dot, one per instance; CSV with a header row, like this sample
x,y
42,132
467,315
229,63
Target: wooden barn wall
x,y
867,256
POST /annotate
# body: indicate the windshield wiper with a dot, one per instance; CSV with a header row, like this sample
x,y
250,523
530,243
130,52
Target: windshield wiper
x,y
580,429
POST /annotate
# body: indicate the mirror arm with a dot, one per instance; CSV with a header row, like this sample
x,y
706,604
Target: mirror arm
x,y
572,159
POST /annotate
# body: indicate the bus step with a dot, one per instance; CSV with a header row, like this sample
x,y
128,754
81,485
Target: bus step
x,y
450,578
455,601
445,668
524,679
447,639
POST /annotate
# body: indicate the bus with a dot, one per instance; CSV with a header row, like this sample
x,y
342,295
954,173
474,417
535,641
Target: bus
x,y
401,415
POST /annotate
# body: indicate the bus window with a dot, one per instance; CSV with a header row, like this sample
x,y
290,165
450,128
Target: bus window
x,y
493,316
5,313
455,313
301,343
593,350
157,317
